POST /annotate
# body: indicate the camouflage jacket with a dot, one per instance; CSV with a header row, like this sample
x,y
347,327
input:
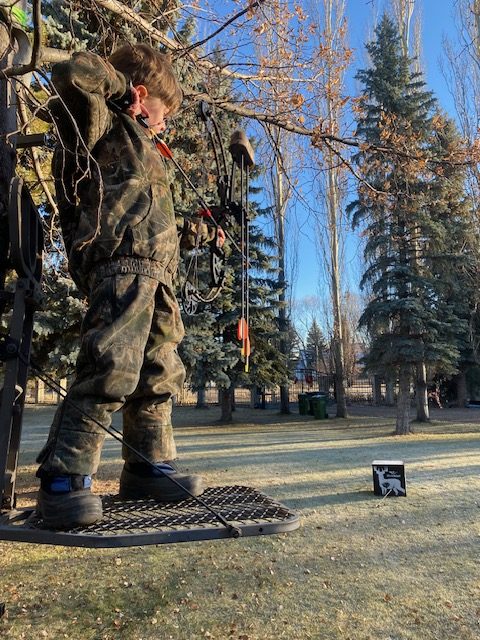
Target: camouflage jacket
x,y
111,182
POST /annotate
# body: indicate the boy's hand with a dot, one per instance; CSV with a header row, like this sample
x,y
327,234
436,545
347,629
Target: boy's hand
x,y
220,237
136,108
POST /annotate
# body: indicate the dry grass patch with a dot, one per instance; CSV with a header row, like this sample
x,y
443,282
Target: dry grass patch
x,y
359,568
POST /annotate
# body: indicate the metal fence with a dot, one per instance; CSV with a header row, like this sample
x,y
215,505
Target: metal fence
x,y
358,390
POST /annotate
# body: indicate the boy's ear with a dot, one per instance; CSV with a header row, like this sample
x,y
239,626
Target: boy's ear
x,y
142,91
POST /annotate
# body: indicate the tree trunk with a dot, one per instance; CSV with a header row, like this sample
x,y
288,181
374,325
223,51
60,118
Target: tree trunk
x,y
201,399
333,202
340,380
282,312
15,48
377,390
338,351
403,402
461,388
423,414
226,404
284,400
390,391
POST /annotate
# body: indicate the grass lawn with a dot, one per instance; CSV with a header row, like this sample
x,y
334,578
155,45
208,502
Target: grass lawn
x,y
359,568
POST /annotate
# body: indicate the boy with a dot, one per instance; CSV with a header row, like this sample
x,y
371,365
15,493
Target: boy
x,y
120,233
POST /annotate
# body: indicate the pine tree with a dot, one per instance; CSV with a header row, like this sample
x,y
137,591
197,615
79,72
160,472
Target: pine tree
x,y
316,345
406,315
454,257
57,326
211,349
267,365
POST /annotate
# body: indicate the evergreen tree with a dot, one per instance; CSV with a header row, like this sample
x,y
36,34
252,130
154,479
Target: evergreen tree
x,y
454,257
57,325
316,345
267,365
211,349
407,317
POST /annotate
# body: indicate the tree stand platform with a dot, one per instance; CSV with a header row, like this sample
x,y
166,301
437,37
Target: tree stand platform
x,y
129,523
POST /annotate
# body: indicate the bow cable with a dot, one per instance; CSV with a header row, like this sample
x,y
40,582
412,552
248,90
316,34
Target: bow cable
x,y
165,151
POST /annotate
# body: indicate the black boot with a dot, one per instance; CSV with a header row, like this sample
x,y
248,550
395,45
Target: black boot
x,y
140,480
65,502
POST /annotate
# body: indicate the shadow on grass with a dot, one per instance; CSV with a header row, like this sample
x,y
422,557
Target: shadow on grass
x,y
324,500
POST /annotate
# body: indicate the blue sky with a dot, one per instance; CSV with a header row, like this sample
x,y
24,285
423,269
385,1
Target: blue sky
x,y
437,22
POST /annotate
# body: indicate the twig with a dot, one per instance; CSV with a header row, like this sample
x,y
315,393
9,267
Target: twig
x,y
251,6
36,161
128,14
350,167
22,69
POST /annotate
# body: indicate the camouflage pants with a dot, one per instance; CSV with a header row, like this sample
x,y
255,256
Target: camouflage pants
x,y
128,360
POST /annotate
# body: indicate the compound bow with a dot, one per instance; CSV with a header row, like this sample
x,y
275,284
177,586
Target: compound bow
x,y
233,189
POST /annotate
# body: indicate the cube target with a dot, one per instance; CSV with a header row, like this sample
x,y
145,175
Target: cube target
x,y
389,478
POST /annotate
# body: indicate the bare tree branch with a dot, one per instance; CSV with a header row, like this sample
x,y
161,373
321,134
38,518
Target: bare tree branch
x,y
251,6
344,162
36,55
36,160
132,17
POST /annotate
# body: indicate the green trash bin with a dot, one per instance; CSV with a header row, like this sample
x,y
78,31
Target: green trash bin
x,y
303,404
310,395
319,406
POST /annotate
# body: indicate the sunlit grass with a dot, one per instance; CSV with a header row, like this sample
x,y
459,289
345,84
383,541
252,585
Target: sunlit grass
x,y
358,568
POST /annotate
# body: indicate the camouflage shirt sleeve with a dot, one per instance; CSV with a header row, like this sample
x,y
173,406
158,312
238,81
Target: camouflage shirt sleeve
x,y
194,230
83,85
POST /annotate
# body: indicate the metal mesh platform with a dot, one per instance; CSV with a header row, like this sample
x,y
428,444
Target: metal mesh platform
x,y
142,522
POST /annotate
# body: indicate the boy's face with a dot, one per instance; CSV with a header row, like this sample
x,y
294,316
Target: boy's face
x,y
157,110
157,113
